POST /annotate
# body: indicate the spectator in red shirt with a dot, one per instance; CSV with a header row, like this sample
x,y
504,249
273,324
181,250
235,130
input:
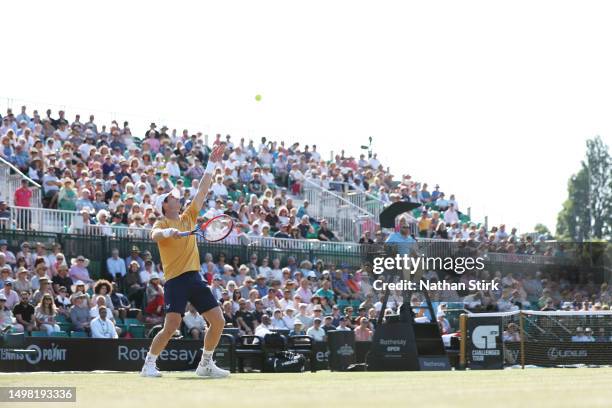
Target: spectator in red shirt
x,y
23,195
23,198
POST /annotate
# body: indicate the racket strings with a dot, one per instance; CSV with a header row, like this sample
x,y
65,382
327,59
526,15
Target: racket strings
x,y
218,228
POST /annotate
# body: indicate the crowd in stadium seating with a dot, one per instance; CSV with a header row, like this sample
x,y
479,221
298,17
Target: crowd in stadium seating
x,y
112,178
43,290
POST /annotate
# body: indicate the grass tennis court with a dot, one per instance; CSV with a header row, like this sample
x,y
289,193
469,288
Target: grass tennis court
x,y
588,387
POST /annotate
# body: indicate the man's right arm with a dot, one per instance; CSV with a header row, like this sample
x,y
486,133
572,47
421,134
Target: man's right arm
x,y
159,232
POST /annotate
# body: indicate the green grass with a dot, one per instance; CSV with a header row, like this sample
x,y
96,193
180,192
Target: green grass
x,y
585,387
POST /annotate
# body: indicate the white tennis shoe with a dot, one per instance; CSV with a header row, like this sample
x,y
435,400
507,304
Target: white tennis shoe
x,y
211,370
150,370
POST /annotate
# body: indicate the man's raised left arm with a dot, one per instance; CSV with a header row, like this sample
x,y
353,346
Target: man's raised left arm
x,y
214,161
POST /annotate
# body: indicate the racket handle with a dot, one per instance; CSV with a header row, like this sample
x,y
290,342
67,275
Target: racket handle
x,y
184,233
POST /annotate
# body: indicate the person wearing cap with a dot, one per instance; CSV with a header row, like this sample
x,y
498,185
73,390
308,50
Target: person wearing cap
x,y
24,312
298,328
135,256
316,332
181,264
102,327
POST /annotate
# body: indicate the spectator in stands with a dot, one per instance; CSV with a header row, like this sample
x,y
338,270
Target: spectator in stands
x,y
116,265
22,284
277,320
7,321
103,327
44,288
303,315
304,291
104,288
443,323
298,329
340,287
24,312
45,314
451,215
135,256
51,186
23,198
342,324
316,332
363,331
133,285
245,319
194,322
62,279
79,313
78,270
325,234
265,327
62,301
8,255
12,298
155,297
67,196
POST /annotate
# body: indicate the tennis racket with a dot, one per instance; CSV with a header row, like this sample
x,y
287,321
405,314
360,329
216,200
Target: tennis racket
x,y
213,230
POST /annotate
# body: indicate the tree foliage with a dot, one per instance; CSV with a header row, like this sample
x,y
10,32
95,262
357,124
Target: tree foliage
x,y
587,212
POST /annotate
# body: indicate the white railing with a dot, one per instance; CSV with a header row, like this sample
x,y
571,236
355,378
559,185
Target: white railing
x,y
10,181
347,248
68,222
71,222
360,198
344,217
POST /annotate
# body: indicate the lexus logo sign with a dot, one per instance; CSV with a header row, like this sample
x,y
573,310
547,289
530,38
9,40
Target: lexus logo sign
x,y
555,353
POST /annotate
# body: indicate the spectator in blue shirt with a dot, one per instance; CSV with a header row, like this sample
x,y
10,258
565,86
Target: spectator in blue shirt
x,y
261,286
339,285
405,242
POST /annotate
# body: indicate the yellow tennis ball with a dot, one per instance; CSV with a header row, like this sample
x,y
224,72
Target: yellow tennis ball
x,y
258,98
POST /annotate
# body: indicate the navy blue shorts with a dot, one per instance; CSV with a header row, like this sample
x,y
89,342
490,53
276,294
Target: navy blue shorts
x,y
188,287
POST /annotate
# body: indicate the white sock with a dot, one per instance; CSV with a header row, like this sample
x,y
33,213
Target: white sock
x,y
150,358
206,357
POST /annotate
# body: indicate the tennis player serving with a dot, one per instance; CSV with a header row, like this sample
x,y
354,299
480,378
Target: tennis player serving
x,y
181,262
